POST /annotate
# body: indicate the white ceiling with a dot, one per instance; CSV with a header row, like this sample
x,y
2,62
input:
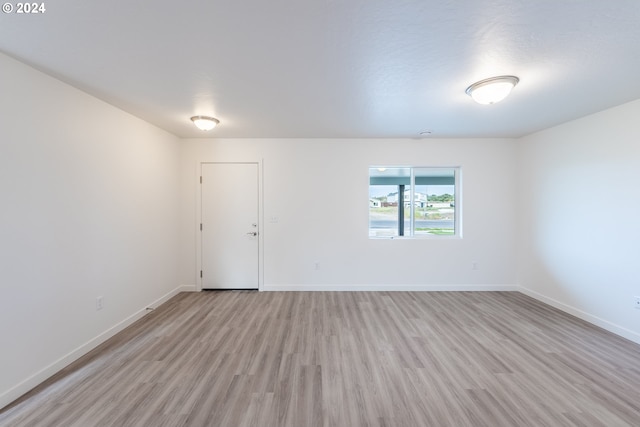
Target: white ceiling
x,y
338,68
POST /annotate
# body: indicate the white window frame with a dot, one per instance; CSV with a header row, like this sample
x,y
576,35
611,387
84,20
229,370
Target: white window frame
x,y
457,196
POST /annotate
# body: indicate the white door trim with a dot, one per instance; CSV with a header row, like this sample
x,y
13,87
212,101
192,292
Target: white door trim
x,y
198,221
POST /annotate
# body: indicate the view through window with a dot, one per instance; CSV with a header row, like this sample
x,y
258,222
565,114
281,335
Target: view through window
x,y
413,201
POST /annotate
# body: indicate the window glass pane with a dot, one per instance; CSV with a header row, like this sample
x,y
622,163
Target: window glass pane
x,y
434,205
387,189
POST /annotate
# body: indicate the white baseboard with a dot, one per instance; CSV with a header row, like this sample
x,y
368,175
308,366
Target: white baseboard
x,y
604,324
405,288
15,392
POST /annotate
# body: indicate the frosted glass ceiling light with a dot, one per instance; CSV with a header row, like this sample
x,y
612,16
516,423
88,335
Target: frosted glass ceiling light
x,y
490,91
204,122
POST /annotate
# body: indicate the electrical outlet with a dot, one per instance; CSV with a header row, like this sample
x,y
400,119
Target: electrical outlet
x,y
99,303
636,302
317,265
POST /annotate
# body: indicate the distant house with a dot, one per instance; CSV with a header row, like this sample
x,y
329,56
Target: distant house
x,y
374,203
419,199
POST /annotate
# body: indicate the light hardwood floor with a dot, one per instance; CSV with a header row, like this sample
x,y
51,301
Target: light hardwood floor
x,y
346,359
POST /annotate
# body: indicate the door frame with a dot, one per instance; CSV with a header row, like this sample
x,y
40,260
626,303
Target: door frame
x,y
198,218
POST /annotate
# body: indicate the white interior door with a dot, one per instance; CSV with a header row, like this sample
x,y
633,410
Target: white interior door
x,y
230,258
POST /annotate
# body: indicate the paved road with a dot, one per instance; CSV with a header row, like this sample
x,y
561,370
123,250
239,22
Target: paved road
x,y
421,223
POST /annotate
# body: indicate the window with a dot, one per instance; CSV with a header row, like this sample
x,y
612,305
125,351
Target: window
x,y
413,201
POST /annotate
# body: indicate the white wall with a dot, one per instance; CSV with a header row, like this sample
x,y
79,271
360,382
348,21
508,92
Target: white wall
x,y
89,200
318,190
579,209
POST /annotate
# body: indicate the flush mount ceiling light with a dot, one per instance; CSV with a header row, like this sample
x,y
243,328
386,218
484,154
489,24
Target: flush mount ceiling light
x,y
492,90
204,122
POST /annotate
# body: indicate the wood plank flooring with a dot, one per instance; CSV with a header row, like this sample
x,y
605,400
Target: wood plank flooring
x,y
346,359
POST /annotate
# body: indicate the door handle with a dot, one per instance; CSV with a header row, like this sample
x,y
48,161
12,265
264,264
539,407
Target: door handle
x,y
253,233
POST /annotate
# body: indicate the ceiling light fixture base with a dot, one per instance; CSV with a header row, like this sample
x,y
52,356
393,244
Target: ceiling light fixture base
x,y
205,122
492,90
